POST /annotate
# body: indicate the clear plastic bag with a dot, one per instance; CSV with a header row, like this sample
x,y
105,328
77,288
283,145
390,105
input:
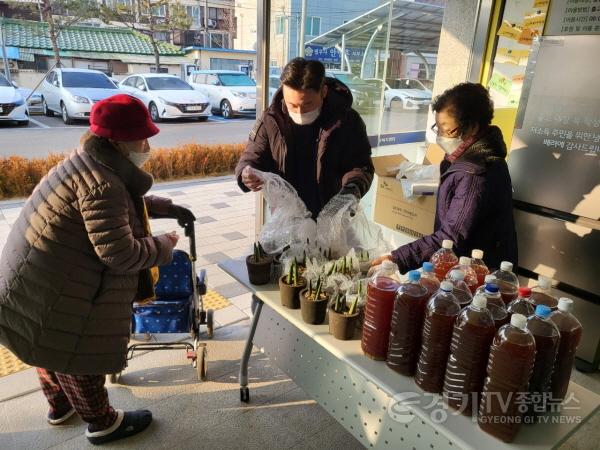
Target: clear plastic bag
x,y
341,225
290,222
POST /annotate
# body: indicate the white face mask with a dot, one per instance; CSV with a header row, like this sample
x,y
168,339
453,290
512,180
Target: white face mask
x,y
449,145
305,118
139,159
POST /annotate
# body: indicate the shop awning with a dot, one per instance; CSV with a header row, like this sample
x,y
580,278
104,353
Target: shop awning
x,y
415,26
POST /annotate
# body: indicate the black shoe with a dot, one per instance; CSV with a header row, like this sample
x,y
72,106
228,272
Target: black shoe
x,y
55,418
127,424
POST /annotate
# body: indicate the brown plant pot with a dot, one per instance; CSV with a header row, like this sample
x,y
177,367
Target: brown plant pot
x,y
313,312
342,326
290,295
259,273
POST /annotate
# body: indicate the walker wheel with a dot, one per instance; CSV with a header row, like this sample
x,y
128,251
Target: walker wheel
x,y
210,330
201,363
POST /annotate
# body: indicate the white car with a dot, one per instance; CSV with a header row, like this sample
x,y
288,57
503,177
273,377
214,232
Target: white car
x,y
167,96
229,92
72,92
411,92
13,107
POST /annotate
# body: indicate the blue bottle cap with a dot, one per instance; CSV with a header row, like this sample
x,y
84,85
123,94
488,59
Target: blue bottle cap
x,y
491,287
427,267
542,311
414,275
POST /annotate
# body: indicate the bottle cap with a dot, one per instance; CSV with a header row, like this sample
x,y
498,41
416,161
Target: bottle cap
x,y
544,282
457,275
542,311
519,321
446,286
388,265
491,288
490,278
414,275
427,267
477,254
524,292
506,266
447,244
565,304
464,261
480,301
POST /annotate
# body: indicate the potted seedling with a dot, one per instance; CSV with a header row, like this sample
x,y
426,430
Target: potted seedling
x,y
313,303
343,315
290,286
259,265
364,261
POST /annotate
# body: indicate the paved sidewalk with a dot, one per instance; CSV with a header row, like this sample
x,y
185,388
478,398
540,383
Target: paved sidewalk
x,y
225,229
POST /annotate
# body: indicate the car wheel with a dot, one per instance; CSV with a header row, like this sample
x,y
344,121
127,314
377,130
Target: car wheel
x,y
47,111
65,115
226,110
154,114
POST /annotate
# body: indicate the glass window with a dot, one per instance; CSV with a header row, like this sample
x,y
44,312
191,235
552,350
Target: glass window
x,y
313,26
139,83
212,13
167,83
233,79
212,80
86,80
200,78
280,25
129,81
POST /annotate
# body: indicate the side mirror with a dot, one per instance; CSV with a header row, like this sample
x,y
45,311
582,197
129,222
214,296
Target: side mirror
x,y
14,83
56,83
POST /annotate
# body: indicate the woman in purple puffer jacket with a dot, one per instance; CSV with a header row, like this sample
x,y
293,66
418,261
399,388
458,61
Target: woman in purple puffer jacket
x,y
474,203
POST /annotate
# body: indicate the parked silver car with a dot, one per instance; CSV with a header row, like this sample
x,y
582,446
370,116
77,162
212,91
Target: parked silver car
x,y
72,92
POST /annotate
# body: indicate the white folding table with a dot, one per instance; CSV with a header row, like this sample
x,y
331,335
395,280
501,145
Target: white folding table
x,y
380,407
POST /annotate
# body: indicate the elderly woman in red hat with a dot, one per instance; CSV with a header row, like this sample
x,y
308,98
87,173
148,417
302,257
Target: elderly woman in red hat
x,y
77,258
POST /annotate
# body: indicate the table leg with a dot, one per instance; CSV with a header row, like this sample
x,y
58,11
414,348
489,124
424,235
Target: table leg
x,y
256,309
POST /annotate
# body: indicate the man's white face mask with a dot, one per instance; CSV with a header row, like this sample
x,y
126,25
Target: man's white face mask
x,y
305,118
448,144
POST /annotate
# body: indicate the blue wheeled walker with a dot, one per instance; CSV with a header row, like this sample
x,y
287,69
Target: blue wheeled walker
x,y
178,308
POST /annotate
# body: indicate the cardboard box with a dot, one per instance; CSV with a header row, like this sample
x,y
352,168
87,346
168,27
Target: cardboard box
x,y
413,216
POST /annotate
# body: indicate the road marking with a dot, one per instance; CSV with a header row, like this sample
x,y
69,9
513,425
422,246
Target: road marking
x,y
38,123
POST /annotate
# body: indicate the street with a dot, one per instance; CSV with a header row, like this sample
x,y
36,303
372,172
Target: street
x,y
50,135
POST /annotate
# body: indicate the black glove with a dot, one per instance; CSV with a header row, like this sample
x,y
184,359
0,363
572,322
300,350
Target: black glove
x,y
183,215
350,189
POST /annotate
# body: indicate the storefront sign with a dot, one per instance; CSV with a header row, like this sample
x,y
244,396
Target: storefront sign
x,y
573,17
331,55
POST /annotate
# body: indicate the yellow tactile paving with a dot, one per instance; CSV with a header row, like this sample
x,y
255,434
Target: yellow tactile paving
x,y
9,363
213,300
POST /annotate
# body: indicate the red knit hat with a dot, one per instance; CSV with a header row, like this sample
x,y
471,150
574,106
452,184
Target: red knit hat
x,y
122,118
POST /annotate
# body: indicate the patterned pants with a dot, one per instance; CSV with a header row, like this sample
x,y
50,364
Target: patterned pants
x,y
85,393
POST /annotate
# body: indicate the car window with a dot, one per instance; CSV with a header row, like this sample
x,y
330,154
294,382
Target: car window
x,y
86,80
200,78
233,79
212,80
129,81
139,83
167,83
4,82
275,82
